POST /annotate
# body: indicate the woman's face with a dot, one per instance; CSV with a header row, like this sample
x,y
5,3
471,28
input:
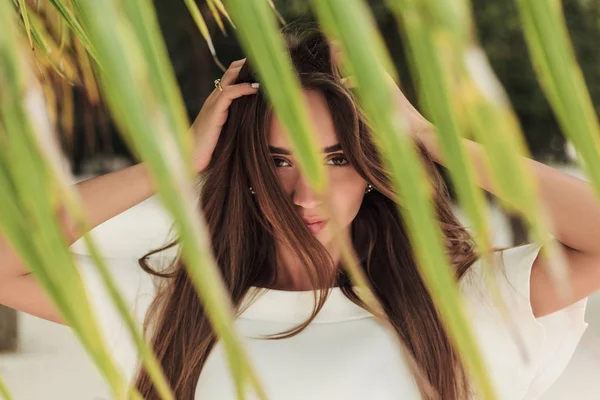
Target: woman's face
x,y
346,186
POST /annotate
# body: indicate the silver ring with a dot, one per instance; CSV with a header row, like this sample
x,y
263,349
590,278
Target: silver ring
x,y
218,84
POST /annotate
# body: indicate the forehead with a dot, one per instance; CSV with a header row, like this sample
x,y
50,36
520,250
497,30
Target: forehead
x,y
319,116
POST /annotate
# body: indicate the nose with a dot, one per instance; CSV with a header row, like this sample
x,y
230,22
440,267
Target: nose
x,y
303,195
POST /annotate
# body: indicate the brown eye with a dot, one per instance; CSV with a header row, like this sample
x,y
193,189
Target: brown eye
x,y
338,161
278,162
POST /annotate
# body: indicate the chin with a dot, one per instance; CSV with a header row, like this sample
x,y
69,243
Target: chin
x,y
325,237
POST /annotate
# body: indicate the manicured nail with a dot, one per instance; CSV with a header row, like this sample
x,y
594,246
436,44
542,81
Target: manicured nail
x,y
255,85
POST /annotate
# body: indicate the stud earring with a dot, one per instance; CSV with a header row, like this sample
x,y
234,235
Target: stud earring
x,y
369,188
252,190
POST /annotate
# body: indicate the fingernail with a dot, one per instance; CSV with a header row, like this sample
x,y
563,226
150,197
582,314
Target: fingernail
x,y
255,85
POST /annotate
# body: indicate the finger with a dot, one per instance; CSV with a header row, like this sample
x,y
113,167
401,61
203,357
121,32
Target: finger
x,y
230,76
232,72
234,91
237,63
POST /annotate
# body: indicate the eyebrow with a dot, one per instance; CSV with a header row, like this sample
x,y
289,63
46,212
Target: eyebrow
x,y
279,150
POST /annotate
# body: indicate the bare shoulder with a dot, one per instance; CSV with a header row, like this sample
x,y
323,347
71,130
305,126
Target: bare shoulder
x,y
583,272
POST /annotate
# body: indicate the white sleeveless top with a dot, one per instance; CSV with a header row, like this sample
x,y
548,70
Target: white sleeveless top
x,y
345,353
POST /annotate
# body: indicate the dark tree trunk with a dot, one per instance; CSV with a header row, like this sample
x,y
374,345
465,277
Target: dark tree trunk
x,y
8,329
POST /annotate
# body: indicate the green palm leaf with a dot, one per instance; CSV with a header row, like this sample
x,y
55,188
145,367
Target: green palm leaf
x,y
438,48
562,80
457,89
216,8
75,25
260,38
201,24
36,235
351,24
23,11
139,86
4,390
25,133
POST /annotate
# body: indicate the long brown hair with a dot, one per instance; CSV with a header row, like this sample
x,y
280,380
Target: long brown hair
x,y
243,228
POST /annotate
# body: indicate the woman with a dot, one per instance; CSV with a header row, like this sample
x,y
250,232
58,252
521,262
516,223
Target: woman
x,y
275,254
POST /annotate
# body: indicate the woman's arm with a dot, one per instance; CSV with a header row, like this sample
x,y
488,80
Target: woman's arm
x,y
575,215
102,198
107,196
570,201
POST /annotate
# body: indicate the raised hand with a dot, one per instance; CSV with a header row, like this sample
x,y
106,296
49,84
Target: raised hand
x,y
415,122
210,120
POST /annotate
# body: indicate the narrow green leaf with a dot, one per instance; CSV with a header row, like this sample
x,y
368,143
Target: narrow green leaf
x,y
276,12
260,38
219,5
496,127
62,64
201,24
4,390
23,11
216,16
351,23
262,42
75,26
33,229
435,74
557,69
87,73
139,85
436,60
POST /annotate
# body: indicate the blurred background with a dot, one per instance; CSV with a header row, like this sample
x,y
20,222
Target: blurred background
x,y
40,359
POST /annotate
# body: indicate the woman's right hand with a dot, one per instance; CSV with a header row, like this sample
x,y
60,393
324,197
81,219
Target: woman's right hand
x,y
210,120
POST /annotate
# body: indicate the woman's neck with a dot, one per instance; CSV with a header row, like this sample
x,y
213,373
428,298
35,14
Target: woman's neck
x,y
291,274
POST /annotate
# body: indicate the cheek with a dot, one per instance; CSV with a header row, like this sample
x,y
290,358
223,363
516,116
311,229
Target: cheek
x,y
347,192
287,177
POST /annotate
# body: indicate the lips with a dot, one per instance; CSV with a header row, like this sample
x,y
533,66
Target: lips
x,y
309,221
314,225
